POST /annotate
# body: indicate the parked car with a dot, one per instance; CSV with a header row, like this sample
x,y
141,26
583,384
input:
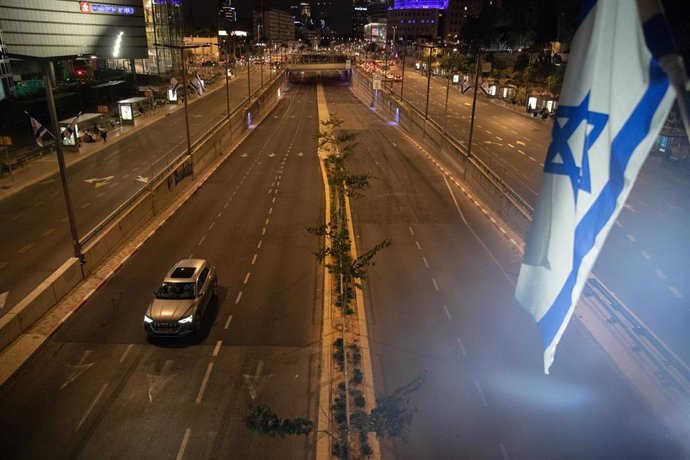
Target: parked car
x,y
182,300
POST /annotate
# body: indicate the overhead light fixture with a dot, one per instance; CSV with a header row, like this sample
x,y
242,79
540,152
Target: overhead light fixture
x,y
116,48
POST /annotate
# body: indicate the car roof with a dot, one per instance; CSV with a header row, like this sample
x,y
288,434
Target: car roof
x,y
184,271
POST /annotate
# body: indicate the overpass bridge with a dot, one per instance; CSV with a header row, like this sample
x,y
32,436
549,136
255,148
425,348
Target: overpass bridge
x,y
314,62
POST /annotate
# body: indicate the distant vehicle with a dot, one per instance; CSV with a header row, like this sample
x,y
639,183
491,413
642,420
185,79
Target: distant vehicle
x,y
182,300
397,77
210,63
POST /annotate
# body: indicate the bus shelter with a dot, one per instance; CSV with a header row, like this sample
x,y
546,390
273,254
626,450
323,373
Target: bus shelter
x,y
85,122
129,109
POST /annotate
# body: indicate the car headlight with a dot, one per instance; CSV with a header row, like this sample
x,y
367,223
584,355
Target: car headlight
x,y
147,320
187,319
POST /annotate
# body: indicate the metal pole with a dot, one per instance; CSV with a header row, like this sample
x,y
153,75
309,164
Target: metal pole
x,y
249,85
227,77
61,162
186,96
474,104
428,85
262,68
445,110
402,82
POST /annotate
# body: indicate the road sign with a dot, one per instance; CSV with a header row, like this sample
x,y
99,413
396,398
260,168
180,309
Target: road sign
x,y
377,81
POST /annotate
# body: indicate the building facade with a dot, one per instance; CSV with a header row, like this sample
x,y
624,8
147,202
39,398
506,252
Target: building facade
x,y
274,26
163,27
415,23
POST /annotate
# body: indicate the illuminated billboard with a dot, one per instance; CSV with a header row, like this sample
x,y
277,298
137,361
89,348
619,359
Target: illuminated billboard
x,y
415,4
53,28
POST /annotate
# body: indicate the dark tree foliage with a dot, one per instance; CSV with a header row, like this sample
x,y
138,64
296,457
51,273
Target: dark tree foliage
x,y
263,420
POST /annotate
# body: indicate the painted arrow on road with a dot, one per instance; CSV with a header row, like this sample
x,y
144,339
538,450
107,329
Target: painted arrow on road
x,y
99,181
142,179
256,382
78,369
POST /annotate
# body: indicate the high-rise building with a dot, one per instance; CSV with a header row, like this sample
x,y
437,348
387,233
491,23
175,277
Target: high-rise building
x,y
274,26
457,13
163,26
415,19
360,17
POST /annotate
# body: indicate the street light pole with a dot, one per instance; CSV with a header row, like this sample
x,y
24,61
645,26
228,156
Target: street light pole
x,y
474,104
428,84
182,48
402,81
445,109
76,246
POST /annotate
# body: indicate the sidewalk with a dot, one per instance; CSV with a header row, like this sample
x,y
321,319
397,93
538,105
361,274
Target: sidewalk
x,y
35,171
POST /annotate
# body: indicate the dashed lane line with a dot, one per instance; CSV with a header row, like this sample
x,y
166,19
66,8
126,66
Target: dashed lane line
x,y
426,263
90,408
433,280
258,246
216,349
124,355
646,255
201,240
411,231
481,392
239,296
202,388
25,248
675,292
246,278
660,273
254,259
462,347
445,309
183,444
227,323
631,238
48,232
419,246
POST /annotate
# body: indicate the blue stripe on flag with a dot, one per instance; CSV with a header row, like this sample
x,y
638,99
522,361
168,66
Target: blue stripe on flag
x,y
585,8
624,144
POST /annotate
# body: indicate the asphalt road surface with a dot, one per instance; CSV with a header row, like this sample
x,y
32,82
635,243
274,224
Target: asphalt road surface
x,y
99,388
645,260
33,223
440,303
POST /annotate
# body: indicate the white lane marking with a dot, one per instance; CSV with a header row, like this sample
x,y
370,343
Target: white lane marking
x,y
239,296
124,355
38,204
85,205
270,211
17,216
520,143
511,146
504,451
3,263
227,323
676,292
462,348
618,224
246,278
521,151
426,264
258,246
226,204
48,232
481,392
418,245
183,445
25,248
204,382
263,231
499,138
219,214
488,132
274,200
216,350
646,255
267,221
433,280
445,308
411,231
631,238
213,224
254,259
100,194
90,408
201,240
660,273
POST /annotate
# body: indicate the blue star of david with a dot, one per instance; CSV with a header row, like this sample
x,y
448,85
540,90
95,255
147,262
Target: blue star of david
x,y
559,148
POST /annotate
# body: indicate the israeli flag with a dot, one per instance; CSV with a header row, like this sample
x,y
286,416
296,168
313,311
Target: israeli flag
x,y
39,130
174,84
485,87
465,86
614,101
69,130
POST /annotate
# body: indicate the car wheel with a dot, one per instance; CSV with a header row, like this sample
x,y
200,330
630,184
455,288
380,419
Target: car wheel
x,y
197,323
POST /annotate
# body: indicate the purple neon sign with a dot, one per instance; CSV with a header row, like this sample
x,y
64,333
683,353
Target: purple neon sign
x,y
417,4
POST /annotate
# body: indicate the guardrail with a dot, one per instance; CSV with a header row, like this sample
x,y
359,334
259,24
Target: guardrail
x,y
105,222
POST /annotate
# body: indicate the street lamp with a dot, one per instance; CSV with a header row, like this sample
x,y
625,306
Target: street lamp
x,y
224,33
428,79
182,48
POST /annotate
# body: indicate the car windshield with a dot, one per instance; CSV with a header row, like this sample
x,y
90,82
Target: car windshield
x,y
176,291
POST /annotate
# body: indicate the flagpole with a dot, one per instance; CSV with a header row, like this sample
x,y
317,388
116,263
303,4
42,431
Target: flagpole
x,y
474,105
61,162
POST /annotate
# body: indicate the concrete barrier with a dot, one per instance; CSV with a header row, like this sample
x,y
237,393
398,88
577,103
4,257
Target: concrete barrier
x,y
479,179
156,198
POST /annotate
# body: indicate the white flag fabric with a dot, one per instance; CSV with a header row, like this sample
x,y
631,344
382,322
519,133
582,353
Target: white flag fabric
x,y
485,87
174,84
67,132
465,86
39,131
614,101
